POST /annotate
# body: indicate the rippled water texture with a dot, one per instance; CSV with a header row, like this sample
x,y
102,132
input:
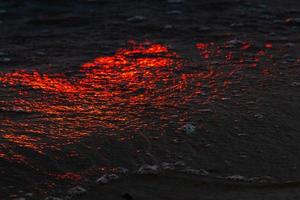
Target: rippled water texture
x,y
145,88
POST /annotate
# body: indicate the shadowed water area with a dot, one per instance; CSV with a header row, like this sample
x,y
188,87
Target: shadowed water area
x,y
145,88
126,109
140,99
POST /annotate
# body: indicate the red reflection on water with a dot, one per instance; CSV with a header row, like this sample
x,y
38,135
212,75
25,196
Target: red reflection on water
x,y
269,45
222,56
245,46
23,141
143,88
201,45
107,94
55,82
68,176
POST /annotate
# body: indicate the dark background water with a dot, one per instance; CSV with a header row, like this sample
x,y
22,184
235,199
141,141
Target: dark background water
x,y
86,86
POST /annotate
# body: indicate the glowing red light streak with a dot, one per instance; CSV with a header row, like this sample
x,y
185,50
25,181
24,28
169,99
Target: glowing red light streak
x,y
110,93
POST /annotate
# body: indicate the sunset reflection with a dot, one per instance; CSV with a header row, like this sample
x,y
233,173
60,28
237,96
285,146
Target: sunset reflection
x,y
143,88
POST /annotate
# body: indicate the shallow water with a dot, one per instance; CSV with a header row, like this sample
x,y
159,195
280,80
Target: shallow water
x,y
144,90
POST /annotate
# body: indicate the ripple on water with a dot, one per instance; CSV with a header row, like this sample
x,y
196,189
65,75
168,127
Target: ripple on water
x,y
145,87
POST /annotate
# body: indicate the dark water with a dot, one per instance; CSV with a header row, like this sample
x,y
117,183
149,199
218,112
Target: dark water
x,y
66,124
